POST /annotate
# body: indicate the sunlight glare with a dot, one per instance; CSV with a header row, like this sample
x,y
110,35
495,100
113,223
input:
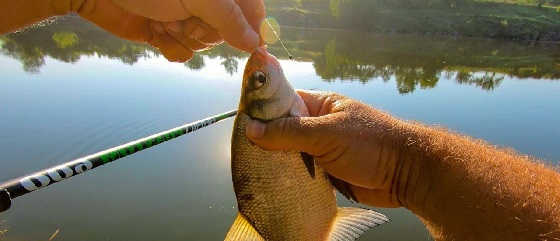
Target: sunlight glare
x,y
270,30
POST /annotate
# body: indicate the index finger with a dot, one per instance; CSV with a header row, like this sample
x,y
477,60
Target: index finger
x,y
254,12
230,20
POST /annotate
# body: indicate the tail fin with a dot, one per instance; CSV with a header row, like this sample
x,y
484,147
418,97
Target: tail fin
x,y
242,230
351,222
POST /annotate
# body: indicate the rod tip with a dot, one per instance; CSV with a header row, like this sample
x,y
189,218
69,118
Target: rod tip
x,y
5,200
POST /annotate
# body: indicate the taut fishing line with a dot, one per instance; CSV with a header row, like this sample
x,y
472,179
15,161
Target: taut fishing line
x,y
280,40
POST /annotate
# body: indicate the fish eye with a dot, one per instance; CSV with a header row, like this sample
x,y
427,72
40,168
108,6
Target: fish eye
x,y
258,78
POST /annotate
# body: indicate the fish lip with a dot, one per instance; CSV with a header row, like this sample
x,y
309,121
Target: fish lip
x,y
261,51
265,57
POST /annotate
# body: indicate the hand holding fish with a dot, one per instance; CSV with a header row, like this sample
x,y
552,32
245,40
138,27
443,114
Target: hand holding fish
x,y
178,28
463,189
284,195
340,135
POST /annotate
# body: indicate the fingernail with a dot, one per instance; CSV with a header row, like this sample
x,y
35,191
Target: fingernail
x,y
255,129
174,27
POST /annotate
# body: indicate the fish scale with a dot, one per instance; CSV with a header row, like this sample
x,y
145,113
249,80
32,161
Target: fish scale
x,y
283,195
287,203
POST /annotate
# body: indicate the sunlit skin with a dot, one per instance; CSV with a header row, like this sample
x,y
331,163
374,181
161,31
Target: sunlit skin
x,y
461,188
178,28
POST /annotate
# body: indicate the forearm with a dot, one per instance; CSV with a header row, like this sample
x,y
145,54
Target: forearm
x,y
464,189
20,13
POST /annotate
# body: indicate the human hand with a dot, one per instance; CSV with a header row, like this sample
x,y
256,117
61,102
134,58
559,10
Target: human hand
x,y
176,27
347,140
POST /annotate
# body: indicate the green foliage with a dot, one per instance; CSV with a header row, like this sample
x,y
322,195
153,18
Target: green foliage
x,y
196,63
414,62
480,18
229,56
65,39
334,6
487,81
70,37
419,62
230,65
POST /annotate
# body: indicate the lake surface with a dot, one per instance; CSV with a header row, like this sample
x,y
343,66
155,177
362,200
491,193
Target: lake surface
x,y
69,89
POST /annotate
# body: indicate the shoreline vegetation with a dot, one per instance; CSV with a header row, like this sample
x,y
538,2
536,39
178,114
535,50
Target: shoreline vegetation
x,y
412,61
530,20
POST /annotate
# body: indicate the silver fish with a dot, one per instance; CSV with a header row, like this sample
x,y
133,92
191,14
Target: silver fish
x,y
284,195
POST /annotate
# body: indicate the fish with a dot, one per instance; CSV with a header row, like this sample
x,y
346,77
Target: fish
x,y
284,195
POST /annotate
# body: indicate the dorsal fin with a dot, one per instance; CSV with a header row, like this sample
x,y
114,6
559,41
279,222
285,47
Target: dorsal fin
x,y
241,229
350,223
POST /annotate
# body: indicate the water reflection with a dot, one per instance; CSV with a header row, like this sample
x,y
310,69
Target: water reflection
x,y
67,40
182,190
421,61
412,61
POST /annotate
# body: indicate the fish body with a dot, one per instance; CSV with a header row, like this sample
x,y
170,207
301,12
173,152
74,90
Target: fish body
x,y
276,192
282,195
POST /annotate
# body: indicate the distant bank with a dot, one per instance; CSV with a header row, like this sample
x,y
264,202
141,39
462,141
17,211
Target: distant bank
x,y
506,19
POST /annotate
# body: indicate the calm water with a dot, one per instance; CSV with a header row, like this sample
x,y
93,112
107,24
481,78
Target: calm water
x,y
69,89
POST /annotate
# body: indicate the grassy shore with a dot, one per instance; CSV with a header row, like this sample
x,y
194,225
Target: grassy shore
x,y
504,20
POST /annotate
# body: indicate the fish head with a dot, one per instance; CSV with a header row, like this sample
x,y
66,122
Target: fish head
x,y
266,94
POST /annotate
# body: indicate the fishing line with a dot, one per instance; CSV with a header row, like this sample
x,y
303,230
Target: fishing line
x,y
280,40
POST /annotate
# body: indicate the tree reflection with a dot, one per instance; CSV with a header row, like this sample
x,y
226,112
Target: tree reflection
x,y
196,63
230,57
67,40
486,80
413,62
419,62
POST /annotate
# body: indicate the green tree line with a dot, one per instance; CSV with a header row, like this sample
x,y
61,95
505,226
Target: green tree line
x,y
506,19
412,61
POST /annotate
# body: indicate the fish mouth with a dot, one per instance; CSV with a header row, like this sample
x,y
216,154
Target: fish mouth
x,y
262,56
257,110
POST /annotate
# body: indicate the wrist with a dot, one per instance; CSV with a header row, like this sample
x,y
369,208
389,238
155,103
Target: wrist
x,y
416,173
415,182
428,174
409,180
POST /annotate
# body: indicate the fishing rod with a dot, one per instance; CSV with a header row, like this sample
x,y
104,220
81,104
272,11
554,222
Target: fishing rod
x,y
27,184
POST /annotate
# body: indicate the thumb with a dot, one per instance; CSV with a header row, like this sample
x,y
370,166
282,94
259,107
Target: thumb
x,y
305,134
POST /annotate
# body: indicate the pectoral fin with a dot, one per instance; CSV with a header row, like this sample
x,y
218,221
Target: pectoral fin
x,y
309,163
351,222
343,187
242,230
